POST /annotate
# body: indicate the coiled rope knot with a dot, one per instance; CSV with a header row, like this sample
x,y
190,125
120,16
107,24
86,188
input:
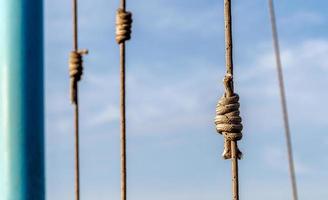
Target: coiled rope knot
x,y
75,71
228,120
123,25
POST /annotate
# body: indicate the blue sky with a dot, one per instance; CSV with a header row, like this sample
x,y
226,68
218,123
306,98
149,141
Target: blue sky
x,y
174,78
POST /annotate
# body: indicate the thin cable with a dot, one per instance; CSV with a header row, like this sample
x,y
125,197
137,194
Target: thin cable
x,y
229,65
283,101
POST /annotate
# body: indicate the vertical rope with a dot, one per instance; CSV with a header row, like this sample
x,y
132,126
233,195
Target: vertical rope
x,y
76,108
123,122
123,116
283,101
75,71
228,36
123,33
227,119
77,152
75,26
229,65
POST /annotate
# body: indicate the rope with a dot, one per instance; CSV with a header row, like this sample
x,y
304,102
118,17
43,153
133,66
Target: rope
x,y
283,101
123,25
123,33
75,72
227,120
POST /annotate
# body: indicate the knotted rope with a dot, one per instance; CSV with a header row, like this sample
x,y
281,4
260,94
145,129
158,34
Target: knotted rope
x,y
75,71
123,33
123,25
227,120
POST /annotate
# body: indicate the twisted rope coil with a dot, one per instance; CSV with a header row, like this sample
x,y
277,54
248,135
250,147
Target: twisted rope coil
x,y
228,120
75,71
123,25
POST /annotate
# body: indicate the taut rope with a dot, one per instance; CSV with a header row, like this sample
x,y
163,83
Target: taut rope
x,y
75,72
123,33
227,120
283,100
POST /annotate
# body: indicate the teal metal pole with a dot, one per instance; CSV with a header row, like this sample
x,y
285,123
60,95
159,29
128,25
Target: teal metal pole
x,y
21,100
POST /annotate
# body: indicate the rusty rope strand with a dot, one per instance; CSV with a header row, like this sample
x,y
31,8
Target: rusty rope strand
x,y
283,101
123,33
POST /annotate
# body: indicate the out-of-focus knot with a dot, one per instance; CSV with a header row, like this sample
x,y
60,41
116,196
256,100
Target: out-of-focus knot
x,y
75,71
123,25
228,120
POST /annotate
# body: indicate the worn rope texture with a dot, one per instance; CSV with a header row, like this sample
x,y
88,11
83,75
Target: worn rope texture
x,y
75,71
123,25
123,33
228,120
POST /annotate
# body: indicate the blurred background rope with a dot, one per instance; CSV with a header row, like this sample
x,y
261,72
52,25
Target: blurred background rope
x,y
75,72
283,100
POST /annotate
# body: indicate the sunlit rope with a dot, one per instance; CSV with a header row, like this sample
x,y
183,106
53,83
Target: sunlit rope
x,y
123,33
75,72
228,120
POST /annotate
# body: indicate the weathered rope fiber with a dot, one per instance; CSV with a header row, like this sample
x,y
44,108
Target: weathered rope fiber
x,y
123,33
123,25
227,120
283,101
75,71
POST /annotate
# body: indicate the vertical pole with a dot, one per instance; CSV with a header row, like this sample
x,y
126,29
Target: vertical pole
x,y
21,100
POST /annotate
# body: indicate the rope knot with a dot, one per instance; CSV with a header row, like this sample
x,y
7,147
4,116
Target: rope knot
x,y
228,120
123,25
75,71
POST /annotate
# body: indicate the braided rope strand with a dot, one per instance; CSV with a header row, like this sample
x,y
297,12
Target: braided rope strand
x,y
123,25
75,71
228,120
